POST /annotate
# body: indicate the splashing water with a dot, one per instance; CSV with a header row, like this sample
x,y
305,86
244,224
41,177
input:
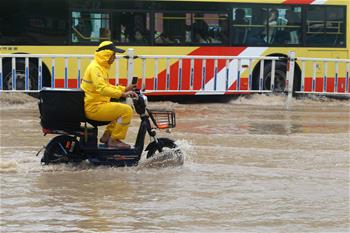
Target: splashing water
x,y
8,166
169,157
281,100
17,101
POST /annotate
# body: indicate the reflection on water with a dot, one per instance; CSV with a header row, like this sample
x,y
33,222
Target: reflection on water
x,y
250,165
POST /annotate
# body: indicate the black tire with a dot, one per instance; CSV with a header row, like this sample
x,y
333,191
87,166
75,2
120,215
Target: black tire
x,y
280,77
20,75
62,149
162,143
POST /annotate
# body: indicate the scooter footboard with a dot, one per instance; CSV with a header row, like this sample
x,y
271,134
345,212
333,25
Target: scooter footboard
x,y
113,157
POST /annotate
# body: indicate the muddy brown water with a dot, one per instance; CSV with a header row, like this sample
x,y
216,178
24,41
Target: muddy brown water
x,y
250,166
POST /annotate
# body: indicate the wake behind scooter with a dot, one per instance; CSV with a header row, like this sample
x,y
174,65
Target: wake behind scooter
x,y
62,113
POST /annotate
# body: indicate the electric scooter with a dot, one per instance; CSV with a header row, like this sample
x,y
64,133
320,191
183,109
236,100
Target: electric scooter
x,y
62,113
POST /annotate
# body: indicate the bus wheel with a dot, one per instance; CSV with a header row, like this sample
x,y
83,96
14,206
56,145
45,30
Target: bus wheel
x,y
20,76
280,77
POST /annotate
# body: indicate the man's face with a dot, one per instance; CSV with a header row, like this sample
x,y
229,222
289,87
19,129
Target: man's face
x,y
111,59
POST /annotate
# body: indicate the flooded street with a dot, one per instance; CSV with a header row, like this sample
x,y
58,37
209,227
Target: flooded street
x,y
250,166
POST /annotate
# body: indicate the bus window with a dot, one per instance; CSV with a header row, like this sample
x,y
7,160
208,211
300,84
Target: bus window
x,y
335,25
223,29
325,26
132,27
240,25
293,26
28,23
189,28
249,26
170,28
284,26
90,27
210,28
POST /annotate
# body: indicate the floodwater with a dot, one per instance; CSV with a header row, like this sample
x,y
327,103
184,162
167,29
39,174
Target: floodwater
x,y
250,166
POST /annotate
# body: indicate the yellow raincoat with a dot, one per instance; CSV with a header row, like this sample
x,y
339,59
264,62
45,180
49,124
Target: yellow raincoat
x,y
98,92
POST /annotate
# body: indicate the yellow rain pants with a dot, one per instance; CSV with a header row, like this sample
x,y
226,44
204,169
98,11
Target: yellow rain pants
x,y
119,114
98,92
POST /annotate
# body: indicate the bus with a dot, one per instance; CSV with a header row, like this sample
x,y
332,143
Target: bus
x,y
310,28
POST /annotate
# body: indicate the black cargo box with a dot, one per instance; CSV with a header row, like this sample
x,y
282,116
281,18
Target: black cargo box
x,y
61,108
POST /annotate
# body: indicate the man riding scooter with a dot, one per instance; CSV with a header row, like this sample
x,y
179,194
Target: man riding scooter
x,y
98,92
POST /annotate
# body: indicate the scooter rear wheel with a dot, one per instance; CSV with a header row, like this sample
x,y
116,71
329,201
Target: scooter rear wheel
x,y
62,149
162,143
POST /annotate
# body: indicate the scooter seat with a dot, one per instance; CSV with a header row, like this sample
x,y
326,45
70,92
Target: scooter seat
x,y
97,123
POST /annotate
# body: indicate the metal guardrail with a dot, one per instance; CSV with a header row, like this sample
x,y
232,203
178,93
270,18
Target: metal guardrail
x,y
233,66
290,77
39,80
325,80
225,79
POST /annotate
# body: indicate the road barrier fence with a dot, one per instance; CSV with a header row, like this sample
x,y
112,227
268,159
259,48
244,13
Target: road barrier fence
x,y
173,74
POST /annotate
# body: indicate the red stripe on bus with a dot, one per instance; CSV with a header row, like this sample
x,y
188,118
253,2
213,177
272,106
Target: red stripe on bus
x,y
306,2
73,83
212,51
197,68
330,84
170,93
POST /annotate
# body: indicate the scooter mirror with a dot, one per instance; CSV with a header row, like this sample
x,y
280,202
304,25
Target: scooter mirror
x,y
134,80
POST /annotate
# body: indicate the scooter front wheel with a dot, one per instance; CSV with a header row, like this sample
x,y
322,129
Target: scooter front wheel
x,y
162,143
62,149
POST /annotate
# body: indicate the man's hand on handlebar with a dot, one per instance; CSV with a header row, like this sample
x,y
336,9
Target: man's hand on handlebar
x,y
129,94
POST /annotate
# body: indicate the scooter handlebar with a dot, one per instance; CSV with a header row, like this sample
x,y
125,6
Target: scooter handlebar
x,y
140,102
